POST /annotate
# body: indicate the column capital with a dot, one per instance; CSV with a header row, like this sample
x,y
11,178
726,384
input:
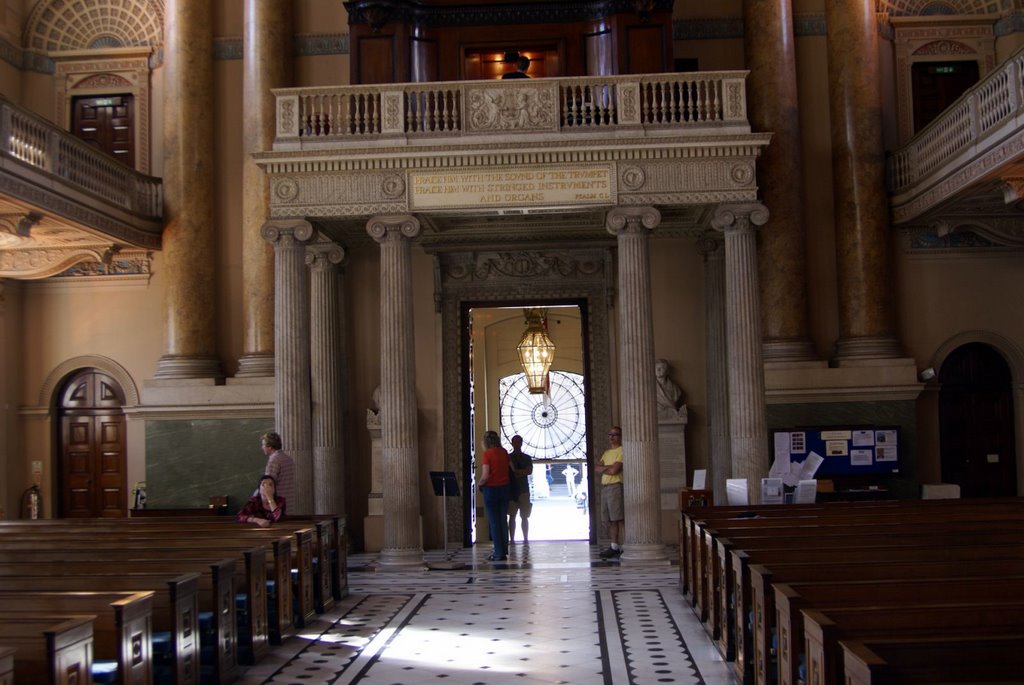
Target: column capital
x,y
710,246
324,255
632,219
739,216
275,231
383,228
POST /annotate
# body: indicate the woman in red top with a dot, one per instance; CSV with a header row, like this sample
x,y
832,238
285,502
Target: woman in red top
x,y
265,507
494,484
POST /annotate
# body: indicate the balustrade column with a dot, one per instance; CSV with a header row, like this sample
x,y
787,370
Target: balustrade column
x,y
326,378
402,547
866,324
748,427
774,105
641,468
292,356
719,459
189,244
267,64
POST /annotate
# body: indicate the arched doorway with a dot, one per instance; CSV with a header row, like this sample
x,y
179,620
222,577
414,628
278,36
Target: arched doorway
x,y
91,447
976,428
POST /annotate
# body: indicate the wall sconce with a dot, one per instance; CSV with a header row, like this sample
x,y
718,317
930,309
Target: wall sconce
x,y
926,375
536,351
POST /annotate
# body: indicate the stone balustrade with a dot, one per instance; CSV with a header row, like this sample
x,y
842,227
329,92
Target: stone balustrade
x,y
981,119
35,142
399,114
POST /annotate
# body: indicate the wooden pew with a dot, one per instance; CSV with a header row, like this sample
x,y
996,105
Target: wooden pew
x,y
792,598
122,630
790,638
56,650
824,628
216,593
995,658
175,607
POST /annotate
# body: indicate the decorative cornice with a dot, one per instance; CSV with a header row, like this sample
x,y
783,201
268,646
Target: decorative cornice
x,y
305,45
376,13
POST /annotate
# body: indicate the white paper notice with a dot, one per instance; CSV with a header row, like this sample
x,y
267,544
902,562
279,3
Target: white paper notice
x,y
736,492
863,438
700,478
771,491
885,437
798,443
782,445
780,467
860,457
806,491
811,465
886,453
837,448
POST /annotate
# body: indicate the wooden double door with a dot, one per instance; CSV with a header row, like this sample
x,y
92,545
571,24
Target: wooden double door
x,y
93,481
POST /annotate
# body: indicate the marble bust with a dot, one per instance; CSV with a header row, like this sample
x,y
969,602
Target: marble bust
x,y
671,402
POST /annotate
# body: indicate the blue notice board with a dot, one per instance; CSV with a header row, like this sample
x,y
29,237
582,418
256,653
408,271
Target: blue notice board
x,y
843,451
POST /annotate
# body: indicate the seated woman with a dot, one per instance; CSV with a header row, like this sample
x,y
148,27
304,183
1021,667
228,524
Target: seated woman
x,y
265,507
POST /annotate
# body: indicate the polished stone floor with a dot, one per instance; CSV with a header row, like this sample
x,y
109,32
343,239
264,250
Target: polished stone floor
x,y
554,613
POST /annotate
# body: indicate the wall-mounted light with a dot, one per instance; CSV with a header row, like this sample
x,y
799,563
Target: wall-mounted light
x,y
536,351
926,375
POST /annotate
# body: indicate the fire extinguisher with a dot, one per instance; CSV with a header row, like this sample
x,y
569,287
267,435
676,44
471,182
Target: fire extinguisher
x,y
32,503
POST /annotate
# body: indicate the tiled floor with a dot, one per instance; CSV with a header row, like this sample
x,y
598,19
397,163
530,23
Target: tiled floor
x,y
554,613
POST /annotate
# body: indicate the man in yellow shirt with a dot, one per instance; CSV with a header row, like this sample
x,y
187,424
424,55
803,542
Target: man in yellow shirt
x,y
612,508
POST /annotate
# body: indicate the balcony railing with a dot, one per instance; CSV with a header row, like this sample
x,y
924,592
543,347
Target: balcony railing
x,y
397,114
978,119
32,140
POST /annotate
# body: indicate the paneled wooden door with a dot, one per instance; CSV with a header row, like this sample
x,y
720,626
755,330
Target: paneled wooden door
x,y
106,122
92,447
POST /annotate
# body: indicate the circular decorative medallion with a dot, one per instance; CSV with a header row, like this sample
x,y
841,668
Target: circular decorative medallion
x,y
552,426
286,189
633,177
393,185
742,174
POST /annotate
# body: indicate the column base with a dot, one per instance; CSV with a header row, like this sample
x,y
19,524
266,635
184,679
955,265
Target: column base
x,y
644,554
185,366
400,560
868,347
788,350
257,365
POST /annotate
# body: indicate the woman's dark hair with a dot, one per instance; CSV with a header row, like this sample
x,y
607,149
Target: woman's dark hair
x,y
267,476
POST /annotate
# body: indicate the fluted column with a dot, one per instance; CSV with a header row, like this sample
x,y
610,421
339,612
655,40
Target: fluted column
x,y
866,317
775,106
292,357
267,63
398,420
719,459
326,378
189,244
641,469
748,428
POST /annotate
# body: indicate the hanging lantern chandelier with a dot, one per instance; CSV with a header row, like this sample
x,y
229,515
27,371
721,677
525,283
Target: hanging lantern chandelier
x,y
536,351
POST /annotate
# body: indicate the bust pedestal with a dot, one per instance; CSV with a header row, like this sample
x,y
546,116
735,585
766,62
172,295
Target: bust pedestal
x,y
373,524
672,458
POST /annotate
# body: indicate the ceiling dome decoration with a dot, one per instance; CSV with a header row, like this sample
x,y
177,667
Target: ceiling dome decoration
x,y
57,25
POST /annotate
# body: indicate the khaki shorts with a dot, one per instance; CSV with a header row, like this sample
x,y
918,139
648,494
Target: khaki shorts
x,y
523,505
611,502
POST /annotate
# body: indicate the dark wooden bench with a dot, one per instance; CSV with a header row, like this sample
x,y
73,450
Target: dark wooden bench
x,y
995,658
7,665
175,607
792,598
122,630
55,650
824,628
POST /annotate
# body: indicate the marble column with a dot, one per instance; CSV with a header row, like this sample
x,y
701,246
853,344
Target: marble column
x,y
292,351
267,63
189,239
638,390
403,546
719,459
748,427
774,106
866,317
326,377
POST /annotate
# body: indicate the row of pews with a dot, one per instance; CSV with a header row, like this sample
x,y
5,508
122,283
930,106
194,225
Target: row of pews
x,y
175,601
860,593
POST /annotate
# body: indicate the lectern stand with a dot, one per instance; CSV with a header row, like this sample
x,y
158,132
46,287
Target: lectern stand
x,y
445,486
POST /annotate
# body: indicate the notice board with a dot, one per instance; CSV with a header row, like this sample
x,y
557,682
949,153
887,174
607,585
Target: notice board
x,y
843,451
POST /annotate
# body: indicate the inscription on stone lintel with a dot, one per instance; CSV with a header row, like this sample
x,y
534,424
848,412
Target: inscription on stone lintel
x,y
531,186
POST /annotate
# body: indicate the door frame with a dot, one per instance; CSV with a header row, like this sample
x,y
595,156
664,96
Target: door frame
x,y
583,277
1014,357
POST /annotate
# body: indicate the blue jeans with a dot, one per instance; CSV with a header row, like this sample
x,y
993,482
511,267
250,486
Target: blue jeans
x,y
496,506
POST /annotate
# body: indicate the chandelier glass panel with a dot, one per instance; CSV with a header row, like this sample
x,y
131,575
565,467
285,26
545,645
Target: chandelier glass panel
x,y
536,351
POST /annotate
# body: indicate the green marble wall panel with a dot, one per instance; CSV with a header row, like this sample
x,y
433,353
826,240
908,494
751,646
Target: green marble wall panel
x,y
874,413
189,461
